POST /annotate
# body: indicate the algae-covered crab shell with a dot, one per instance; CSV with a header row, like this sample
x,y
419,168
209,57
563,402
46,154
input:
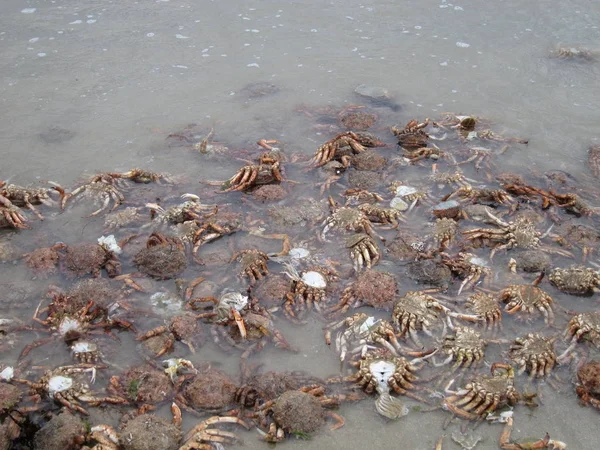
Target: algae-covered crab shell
x,y
58,384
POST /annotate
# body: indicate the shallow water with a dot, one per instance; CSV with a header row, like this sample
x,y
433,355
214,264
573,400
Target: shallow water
x,y
89,86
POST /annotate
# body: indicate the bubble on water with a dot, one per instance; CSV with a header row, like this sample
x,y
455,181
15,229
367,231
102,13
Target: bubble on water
x,y
28,10
91,21
462,44
181,36
41,54
76,22
444,63
252,65
150,34
35,39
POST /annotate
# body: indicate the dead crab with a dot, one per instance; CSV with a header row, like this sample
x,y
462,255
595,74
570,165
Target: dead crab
x,y
534,354
529,444
585,326
484,394
308,290
296,412
376,289
28,197
184,328
66,385
577,280
253,262
342,147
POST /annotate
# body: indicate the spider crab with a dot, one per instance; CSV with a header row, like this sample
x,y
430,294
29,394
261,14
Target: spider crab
x,y
296,412
66,385
484,394
12,214
308,289
28,197
412,136
342,147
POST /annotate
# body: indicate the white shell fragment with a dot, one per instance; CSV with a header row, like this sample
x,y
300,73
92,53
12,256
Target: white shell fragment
x,y
391,407
299,253
68,324
83,347
398,204
403,191
7,374
110,243
314,279
58,384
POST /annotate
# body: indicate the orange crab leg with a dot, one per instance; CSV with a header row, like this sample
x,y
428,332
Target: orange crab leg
x,y
239,322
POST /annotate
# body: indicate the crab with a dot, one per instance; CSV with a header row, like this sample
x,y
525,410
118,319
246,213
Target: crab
x,y
379,214
577,280
240,323
363,251
486,309
202,437
214,226
518,234
253,262
334,148
465,348
102,191
485,196
66,385
574,204
296,412
82,259
456,178
360,196
144,384
365,331
43,261
190,209
208,390
416,311
420,153
584,237
585,326
533,354
458,121
574,53
410,195
11,214
85,351
376,289
483,394
308,289
444,231
27,197
163,258
183,327
412,134
527,298
253,175
479,156
257,389
491,136
380,370
546,442
346,218
69,317
588,386
138,428
468,267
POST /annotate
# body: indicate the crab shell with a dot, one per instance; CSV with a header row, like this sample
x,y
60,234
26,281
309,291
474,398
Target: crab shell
x,y
314,279
59,383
